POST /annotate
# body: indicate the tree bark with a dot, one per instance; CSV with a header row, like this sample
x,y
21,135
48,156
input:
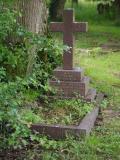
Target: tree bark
x,y
56,9
34,19
34,15
117,5
75,1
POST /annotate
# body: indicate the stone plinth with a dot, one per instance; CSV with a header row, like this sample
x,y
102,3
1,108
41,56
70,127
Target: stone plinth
x,y
70,83
76,74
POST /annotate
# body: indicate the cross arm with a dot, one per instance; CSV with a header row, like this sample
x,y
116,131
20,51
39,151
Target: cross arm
x,y
80,27
56,27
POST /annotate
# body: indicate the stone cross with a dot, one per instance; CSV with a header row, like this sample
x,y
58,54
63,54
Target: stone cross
x,y
68,27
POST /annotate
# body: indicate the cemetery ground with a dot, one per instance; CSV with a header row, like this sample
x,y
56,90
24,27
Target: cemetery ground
x,y
103,67
98,52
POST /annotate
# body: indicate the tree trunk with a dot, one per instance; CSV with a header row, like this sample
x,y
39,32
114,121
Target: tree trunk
x,y
75,1
56,9
117,5
34,15
34,19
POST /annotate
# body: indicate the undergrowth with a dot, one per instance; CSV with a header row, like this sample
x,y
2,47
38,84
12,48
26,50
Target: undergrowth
x,y
63,112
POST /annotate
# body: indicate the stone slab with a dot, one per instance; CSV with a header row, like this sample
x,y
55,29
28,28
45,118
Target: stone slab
x,y
55,131
70,89
74,75
89,120
91,95
59,131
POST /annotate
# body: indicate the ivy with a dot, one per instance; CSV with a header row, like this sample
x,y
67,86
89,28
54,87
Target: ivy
x,y
14,129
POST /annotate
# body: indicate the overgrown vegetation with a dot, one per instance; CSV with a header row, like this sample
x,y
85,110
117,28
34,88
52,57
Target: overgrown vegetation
x,y
66,112
14,82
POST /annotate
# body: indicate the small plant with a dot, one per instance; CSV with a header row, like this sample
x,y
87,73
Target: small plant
x,y
105,103
95,51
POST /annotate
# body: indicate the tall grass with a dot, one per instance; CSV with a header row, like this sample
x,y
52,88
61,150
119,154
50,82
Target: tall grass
x,y
87,11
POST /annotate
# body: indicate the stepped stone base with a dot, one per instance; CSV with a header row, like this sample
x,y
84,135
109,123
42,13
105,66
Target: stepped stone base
x,y
74,75
71,83
91,95
70,88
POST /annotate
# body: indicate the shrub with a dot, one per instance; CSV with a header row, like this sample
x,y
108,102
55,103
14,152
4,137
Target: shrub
x,y
14,130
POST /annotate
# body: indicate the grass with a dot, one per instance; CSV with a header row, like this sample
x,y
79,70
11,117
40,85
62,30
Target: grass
x,y
104,70
97,35
87,11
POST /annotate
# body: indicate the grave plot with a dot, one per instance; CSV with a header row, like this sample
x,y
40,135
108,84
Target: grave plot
x,y
61,121
70,81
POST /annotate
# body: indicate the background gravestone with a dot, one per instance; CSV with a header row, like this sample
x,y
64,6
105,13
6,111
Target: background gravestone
x,y
68,80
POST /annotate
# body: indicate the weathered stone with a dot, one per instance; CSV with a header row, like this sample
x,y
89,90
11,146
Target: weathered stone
x,y
91,95
84,128
70,81
70,88
74,75
68,27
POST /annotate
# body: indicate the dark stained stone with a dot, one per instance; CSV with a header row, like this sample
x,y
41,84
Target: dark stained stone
x,y
70,81
68,27
70,88
74,75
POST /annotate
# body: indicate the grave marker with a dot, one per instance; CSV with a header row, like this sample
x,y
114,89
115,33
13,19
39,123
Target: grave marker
x,y
68,27
70,81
